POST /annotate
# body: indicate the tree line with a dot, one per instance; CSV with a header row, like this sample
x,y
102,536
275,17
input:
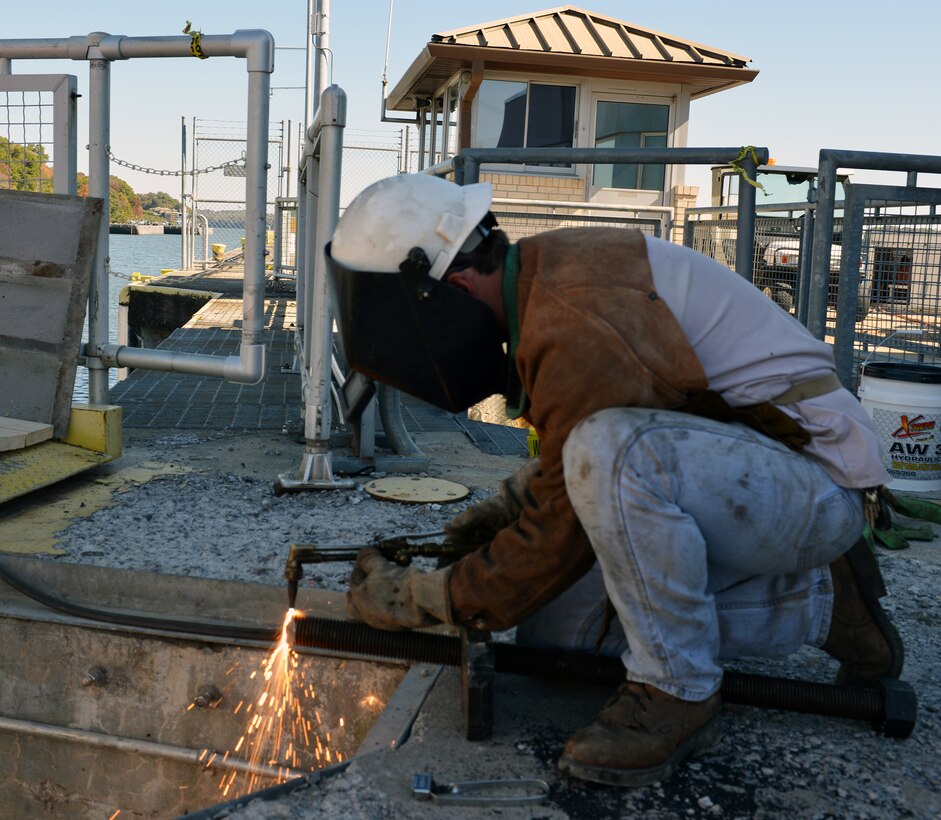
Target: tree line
x,y
26,168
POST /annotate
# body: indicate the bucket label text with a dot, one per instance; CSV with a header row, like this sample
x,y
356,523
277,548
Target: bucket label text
x,y
909,442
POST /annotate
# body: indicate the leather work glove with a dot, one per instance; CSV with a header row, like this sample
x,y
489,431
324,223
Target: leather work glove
x,y
387,596
478,524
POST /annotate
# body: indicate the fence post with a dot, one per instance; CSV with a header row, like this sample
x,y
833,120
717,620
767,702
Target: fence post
x,y
99,185
745,238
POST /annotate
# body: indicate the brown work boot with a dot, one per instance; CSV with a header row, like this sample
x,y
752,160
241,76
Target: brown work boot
x,y
861,635
641,736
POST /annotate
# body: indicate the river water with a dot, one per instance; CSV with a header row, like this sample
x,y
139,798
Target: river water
x,y
147,255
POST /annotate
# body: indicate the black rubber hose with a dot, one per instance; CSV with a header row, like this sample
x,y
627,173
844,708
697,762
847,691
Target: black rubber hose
x,y
190,627
581,667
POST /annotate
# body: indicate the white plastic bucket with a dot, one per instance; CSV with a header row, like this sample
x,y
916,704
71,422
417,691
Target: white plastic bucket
x,y
904,402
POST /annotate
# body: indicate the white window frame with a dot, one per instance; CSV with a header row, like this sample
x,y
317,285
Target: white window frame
x,y
635,195
532,170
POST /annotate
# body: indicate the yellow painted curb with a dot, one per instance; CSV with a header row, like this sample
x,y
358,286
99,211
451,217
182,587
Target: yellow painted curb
x,y
41,528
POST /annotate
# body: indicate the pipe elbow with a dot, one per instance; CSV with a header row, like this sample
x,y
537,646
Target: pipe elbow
x,y
331,111
257,46
246,368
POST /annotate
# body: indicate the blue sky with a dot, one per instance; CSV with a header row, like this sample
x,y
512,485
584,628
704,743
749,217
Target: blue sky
x,y
860,76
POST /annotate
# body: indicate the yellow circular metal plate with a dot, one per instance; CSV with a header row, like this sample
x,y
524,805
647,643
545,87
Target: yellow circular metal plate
x,y
416,490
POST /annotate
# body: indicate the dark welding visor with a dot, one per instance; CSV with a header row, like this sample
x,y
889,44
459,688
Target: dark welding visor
x,y
417,334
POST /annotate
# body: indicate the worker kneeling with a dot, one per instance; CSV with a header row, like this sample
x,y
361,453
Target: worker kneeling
x,y
700,494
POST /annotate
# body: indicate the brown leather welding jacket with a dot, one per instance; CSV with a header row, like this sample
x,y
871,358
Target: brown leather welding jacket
x,y
587,332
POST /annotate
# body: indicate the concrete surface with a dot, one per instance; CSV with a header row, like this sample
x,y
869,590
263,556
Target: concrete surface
x,y
47,250
214,515
198,501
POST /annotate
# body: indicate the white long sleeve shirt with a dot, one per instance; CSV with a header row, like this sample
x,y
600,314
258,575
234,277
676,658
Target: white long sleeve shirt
x,y
753,351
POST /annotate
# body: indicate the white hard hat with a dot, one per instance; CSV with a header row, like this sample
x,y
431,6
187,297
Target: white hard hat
x,y
392,216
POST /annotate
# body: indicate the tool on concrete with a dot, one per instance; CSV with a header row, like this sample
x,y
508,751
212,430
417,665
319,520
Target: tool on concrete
x,y
401,549
891,709
497,793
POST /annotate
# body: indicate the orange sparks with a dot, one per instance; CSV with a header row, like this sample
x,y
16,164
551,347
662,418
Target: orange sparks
x,y
115,814
278,735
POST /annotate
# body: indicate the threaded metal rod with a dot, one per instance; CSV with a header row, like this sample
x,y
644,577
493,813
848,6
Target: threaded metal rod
x,y
579,667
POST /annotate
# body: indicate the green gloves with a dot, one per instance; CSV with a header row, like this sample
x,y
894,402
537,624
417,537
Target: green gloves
x,y
387,596
896,537
479,524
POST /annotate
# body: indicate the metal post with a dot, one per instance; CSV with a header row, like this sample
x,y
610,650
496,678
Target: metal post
x,y
470,171
204,221
745,239
194,197
316,471
300,262
284,185
256,202
6,65
823,239
805,260
421,137
433,136
322,47
848,288
183,192
99,140
278,240
65,140
445,123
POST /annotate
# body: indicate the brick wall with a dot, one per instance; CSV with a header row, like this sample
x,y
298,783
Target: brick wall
x,y
535,186
684,196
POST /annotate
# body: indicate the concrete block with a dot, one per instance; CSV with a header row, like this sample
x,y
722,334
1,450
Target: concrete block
x,y
47,253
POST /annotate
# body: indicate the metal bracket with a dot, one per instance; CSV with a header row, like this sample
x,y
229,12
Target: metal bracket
x,y
315,473
477,671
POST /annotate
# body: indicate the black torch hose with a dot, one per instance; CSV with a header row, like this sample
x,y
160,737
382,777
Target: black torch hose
x,y
189,627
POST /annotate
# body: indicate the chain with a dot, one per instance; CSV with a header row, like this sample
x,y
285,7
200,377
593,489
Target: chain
x,y
164,173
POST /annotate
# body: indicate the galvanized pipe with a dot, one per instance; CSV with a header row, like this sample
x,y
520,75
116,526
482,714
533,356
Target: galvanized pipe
x,y
180,754
257,48
99,185
634,156
745,234
330,120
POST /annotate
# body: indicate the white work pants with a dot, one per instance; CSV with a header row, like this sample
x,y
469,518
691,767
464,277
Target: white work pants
x,y
713,541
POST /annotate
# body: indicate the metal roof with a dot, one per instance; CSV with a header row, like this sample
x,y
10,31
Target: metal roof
x,y
570,40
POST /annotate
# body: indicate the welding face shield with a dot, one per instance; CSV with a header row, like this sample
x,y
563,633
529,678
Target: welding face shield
x,y
418,334
399,322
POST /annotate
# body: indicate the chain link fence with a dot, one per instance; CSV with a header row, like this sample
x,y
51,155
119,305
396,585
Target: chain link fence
x,y
782,247
892,277
369,156
216,200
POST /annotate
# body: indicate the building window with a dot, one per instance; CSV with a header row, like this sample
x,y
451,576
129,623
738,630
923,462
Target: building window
x,y
630,125
525,115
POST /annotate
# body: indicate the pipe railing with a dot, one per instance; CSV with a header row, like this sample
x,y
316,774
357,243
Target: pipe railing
x,y
256,47
831,160
472,158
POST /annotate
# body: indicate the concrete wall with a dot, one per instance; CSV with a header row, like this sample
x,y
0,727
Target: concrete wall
x,y
147,692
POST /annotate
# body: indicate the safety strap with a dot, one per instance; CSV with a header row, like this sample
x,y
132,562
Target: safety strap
x,y
809,389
